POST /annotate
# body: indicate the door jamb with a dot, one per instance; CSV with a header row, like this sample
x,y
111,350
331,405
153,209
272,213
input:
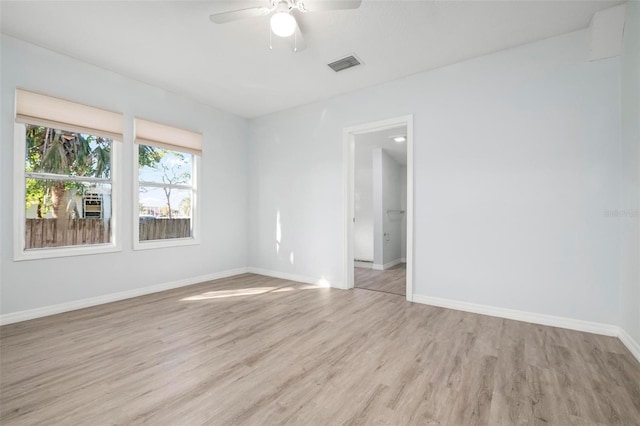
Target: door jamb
x,y
348,136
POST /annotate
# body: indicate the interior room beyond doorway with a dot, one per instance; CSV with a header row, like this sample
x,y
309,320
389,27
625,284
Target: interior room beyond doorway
x,y
380,227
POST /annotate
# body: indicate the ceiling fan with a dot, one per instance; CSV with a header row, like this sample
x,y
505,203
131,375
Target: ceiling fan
x,y
283,23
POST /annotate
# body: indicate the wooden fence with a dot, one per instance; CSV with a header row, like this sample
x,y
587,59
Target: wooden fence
x,y
59,233
41,233
159,229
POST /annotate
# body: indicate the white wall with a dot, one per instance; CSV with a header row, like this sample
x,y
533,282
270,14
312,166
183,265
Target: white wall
x,y
363,226
38,283
630,175
378,208
391,221
516,158
516,155
403,206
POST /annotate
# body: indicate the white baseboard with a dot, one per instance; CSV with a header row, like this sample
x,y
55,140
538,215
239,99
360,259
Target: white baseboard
x,y
632,345
535,318
391,264
362,264
293,277
543,319
113,297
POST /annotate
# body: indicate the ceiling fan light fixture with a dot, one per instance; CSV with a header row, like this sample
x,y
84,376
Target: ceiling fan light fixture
x,y
283,24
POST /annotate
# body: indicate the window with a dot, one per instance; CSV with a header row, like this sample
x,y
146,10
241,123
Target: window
x,y
166,167
64,160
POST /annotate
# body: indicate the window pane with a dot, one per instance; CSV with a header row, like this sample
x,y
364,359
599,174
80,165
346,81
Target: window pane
x,y
65,213
164,213
66,153
160,165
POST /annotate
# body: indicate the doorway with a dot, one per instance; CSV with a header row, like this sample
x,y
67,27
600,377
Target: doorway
x,y
379,204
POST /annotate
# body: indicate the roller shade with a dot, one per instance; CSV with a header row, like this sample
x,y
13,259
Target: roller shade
x,y
42,110
163,136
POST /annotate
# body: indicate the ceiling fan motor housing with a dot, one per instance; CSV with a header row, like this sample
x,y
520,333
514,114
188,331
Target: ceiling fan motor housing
x,y
287,5
283,6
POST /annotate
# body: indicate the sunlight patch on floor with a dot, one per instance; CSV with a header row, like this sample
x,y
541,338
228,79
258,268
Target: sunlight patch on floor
x,y
324,283
219,294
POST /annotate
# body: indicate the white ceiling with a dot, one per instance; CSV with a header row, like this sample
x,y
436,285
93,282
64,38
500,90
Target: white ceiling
x,y
172,44
367,142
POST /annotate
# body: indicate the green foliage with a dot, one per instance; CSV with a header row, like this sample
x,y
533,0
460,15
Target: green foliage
x,y
149,156
66,153
37,194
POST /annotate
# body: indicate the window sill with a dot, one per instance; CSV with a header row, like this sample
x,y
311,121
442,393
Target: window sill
x,y
172,242
47,253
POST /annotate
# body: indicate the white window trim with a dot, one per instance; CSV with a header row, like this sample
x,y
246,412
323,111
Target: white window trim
x,y
195,212
19,212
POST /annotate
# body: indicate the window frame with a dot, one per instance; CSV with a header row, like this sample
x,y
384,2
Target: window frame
x,y
20,253
194,239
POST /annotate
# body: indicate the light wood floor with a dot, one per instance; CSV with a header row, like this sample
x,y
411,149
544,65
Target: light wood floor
x,y
256,350
392,280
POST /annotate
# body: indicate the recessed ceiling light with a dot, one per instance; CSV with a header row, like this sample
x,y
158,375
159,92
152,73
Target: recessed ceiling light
x,y
399,139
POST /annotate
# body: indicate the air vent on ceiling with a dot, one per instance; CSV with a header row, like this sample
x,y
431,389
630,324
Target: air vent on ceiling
x,y
344,63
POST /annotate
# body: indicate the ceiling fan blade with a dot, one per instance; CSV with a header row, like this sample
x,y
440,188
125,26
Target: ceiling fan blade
x,y
297,41
236,15
324,5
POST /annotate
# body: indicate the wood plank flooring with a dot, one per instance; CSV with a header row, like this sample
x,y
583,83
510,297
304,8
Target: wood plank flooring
x,y
392,280
255,350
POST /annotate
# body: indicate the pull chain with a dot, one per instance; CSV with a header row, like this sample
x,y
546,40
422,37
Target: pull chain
x,y
295,41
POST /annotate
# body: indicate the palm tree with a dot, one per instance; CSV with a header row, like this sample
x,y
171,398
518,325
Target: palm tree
x,y
63,153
